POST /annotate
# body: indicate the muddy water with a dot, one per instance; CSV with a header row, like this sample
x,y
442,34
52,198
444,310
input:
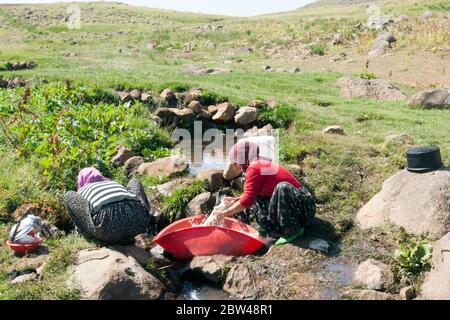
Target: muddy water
x,y
201,291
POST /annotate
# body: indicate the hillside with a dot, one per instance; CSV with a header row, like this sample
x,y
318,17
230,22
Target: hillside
x,y
66,103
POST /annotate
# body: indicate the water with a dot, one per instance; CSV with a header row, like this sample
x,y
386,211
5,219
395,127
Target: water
x,y
338,274
201,291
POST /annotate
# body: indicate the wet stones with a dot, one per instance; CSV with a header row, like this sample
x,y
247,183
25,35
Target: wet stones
x,y
374,275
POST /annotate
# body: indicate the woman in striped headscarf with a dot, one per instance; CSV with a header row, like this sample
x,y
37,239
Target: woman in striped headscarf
x,y
104,210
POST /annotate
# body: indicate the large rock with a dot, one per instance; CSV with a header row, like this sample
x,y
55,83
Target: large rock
x,y
225,113
3,83
239,281
193,95
334,130
174,116
212,268
245,115
164,167
105,274
381,45
419,202
231,171
402,137
122,155
131,165
257,104
168,95
214,178
374,275
436,285
201,204
431,99
377,89
195,106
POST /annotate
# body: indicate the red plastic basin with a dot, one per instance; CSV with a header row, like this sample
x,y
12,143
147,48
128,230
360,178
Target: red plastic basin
x,y
184,241
24,248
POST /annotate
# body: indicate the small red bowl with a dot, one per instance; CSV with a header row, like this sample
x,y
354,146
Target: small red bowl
x,y
24,248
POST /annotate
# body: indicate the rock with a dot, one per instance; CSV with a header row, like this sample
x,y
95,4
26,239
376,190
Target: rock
x,y
320,245
334,130
340,56
139,254
213,109
245,115
210,45
145,97
231,172
431,99
3,83
266,68
26,209
168,95
238,183
401,18
407,293
164,167
131,165
25,278
225,113
377,89
257,104
151,47
167,188
239,282
403,137
213,177
174,116
337,39
211,267
200,70
255,131
193,95
204,115
427,15
272,102
195,106
105,274
143,241
201,204
296,70
33,260
436,285
124,96
379,22
368,295
135,94
374,275
381,45
418,202
122,155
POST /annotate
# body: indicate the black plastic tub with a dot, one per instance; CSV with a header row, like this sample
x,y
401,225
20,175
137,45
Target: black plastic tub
x,y
423,159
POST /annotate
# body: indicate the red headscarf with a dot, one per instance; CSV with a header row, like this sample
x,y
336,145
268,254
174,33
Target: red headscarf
x,y
243,153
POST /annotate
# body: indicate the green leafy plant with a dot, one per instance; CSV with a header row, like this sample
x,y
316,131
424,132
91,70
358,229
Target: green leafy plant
x,y
317,49
366,75
279,117
413,255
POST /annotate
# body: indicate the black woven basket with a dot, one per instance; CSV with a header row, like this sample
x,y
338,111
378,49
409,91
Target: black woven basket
x,y
423,159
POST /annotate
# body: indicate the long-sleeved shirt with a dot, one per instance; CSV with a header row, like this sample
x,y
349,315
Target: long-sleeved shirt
x,y
262,177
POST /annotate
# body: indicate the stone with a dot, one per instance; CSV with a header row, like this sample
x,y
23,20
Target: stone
x,y
266,68
255,131
33,260
164,167
245,115
376,89
167,188
431,99
124,96
145,97
211,267
427,15
105,274
238,183
141,255
193,95
374,275
320,245
225,113
201,204
407,293
135,94
379,22
296,70
3,83
239,281
368,295
210,45
231,171
212,109
195,106
334,130
337,39
418,202
122,155
204,115
143,241
26,209
403,138
381,45
257,104
200,70
272,102
174,116
213,177
151,46
436,285
25,278
131,165
168,95
401,18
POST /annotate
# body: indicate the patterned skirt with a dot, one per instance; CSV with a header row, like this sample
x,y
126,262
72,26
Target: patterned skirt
x,y
286,212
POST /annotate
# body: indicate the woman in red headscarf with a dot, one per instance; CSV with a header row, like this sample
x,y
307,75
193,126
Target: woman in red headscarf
x,y
281,205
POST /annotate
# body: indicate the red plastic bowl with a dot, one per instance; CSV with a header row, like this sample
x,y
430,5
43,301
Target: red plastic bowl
x,y
24,248
184,241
